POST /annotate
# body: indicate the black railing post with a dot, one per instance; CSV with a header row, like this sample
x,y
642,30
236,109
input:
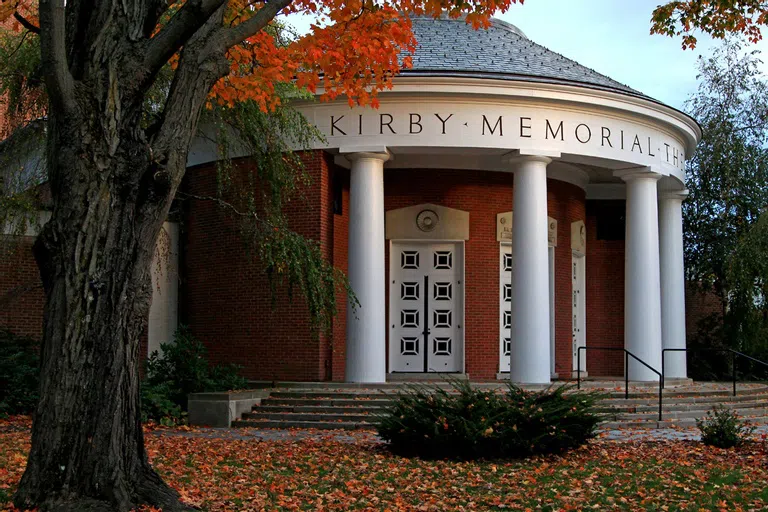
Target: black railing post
x,y
578,367
661,388
626,375
733,364
663,352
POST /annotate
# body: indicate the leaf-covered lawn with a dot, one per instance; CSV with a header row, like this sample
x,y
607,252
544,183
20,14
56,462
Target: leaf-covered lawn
x,y
229,474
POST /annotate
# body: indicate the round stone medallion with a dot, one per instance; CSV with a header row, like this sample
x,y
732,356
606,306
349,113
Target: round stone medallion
x,y
427,220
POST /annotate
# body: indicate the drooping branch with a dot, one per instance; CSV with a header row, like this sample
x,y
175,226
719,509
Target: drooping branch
x,y
26,23
54,54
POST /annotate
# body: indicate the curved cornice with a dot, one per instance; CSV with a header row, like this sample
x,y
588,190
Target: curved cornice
x,y
684,126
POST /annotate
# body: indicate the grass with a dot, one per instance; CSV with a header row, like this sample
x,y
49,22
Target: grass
x,y
237,475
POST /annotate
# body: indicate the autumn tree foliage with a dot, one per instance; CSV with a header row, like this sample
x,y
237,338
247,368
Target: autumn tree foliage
x,y
125,87
715,17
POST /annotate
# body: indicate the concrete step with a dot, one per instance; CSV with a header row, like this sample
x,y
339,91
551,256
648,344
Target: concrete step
x,y
349,409
316,417
682,393
332,395
344,402
668,402
688,399
693,414
348,425
667,423
287,424
686,406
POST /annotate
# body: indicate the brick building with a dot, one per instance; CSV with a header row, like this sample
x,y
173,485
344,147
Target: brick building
x,y
503,207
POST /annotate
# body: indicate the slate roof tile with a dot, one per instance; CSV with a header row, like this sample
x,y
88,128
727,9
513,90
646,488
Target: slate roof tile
x,y
452,47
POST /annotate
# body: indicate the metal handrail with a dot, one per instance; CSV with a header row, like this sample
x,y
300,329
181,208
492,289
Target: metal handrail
x,y
734,354
627,355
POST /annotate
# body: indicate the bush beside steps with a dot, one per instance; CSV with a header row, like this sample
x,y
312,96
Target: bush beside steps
x,y
723,428
467,423
183,368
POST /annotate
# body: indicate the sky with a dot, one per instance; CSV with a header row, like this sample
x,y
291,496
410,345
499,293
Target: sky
x,y
613,38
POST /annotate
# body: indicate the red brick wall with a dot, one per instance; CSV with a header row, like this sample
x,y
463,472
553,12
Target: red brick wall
x,y
605,294
21,292
226,303
483,195
699,305
340,250
225,293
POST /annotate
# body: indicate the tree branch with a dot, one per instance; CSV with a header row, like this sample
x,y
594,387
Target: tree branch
x,y
155,10
225,204
54,54
229,37
177,32
26,23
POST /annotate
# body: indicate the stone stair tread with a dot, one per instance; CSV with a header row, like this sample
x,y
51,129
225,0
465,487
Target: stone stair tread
x,y
348,408
688,400
322,403
293,416
689,406
287,424
743,413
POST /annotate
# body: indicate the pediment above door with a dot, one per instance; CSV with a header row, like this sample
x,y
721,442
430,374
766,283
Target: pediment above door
x,y
427,222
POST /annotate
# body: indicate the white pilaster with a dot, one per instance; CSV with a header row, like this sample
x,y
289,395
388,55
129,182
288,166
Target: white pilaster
x,y
642,289
530,354
366,324
672,281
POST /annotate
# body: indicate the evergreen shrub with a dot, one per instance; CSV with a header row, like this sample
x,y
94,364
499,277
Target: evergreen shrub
x,y
183,368
723,428
19,373
466,423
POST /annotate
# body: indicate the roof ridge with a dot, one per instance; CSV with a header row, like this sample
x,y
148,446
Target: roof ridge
x,y
495,22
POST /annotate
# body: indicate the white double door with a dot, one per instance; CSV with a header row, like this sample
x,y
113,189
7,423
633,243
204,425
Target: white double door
x,y
426,307
578,322
505,307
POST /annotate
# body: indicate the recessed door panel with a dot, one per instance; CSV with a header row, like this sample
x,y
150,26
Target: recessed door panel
x,y
505,306
426,307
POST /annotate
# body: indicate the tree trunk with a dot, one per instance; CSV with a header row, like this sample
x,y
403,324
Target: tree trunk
x,y
94,257
112,182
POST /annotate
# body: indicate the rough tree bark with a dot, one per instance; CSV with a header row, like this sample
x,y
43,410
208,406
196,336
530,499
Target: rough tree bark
x,y
112,184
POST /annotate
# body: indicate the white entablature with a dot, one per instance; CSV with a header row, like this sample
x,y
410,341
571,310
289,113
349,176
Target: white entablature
x,y
431,115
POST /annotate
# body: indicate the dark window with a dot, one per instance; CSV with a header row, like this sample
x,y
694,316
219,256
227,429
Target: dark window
x,y
610,217
337,196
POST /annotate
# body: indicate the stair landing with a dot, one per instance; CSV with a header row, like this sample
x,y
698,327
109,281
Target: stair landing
x,y
331,406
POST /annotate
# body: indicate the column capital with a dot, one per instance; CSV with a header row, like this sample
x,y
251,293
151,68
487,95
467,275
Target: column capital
x,y
365,152
636,173
679,195
526,155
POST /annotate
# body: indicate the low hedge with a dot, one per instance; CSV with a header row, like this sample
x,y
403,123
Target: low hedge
x,y
466,423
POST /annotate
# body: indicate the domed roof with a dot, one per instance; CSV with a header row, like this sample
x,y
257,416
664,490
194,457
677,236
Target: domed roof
x,y
451,47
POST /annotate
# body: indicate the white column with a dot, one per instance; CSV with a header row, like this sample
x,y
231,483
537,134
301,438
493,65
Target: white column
x,y
366,324
530,358
164,310
672,281
642,293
